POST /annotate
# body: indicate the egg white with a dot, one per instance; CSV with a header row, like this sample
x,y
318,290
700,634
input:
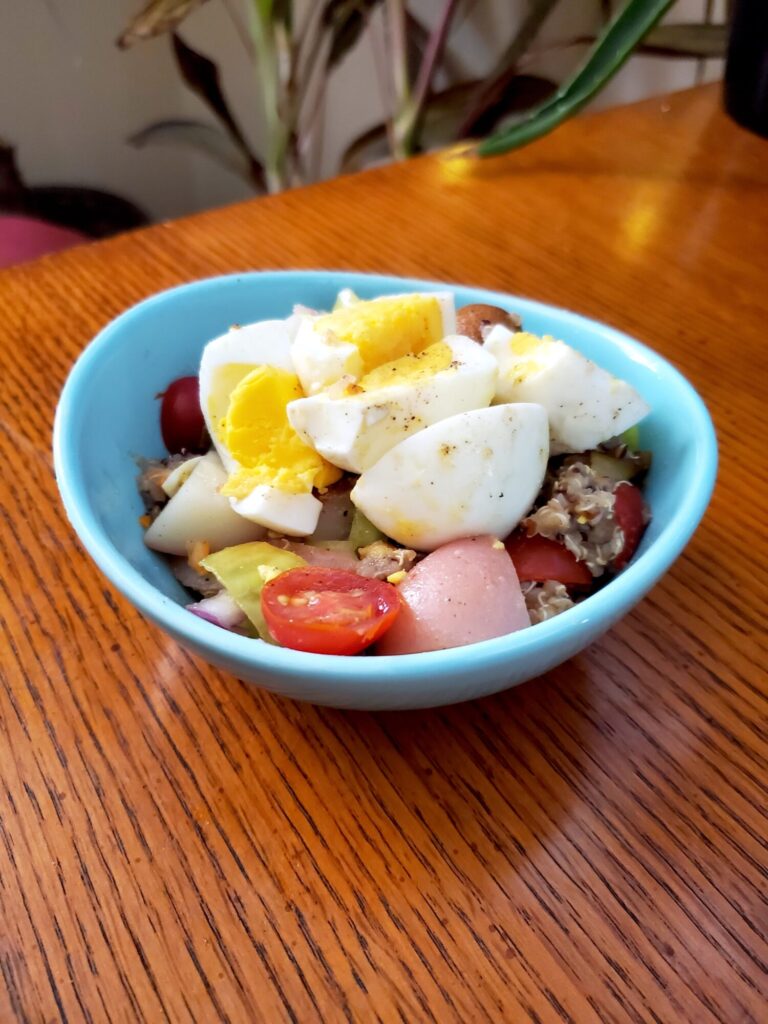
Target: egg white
x,y
353,431
321,361
474,473
585,404
267,343
295,515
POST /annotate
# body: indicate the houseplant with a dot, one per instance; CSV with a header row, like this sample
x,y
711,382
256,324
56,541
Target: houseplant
x,y
294,58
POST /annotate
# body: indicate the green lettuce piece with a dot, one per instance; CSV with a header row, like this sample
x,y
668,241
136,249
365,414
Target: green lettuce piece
x,y
244,569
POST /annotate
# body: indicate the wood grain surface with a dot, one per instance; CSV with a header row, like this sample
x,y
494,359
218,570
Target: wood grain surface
x,y
177,846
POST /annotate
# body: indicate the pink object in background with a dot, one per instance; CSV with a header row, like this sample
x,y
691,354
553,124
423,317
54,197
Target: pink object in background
x,y
26,238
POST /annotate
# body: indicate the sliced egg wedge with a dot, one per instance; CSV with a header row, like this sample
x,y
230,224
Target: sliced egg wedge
x,y
352,426
356,338
229,358
585,404
474,473
273,471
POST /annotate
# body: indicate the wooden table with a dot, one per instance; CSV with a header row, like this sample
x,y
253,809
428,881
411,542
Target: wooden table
x,y
177,846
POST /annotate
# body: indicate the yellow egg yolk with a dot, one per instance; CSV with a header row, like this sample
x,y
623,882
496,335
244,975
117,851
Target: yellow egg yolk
x,y
385,329
224,380
529,348
258,436
408,369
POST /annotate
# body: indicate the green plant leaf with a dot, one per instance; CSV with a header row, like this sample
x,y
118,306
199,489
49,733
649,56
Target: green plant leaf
x,y
445,117
157,17
282,12
693,40
345,20
202,77
606,11
517,93
368,148
205,138
409,120
491,90
613,48
686,41
443,114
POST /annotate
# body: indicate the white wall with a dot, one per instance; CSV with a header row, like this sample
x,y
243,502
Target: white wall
x,y
69,98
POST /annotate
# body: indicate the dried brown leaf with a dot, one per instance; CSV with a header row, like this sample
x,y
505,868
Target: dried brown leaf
x,y
158,17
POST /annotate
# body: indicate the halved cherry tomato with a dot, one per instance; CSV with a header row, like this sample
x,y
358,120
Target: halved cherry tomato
x,y
537,559
628,513
328,611
181,418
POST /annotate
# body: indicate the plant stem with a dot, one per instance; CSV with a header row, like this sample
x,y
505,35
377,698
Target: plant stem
x,y
383,81
268,71
408,119
400,81
307,35
399,45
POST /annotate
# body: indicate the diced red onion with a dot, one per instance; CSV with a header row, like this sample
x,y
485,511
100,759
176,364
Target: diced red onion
x,y
220,609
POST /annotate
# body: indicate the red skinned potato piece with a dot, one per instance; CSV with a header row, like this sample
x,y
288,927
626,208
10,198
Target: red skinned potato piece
x,y
538,559
463,592
628,511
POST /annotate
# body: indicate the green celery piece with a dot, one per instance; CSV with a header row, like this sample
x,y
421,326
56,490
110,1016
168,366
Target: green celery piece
x,y
240,571
613,47
362,532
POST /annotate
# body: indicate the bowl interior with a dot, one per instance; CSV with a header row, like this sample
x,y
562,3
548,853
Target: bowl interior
x,y
108,416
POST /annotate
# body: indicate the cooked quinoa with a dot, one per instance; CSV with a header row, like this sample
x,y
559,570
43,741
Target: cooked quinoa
x,y
545,600
578,512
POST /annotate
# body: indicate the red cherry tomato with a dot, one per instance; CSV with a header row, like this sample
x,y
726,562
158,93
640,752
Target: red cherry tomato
x,y
537,559
328,611
628,513
181,418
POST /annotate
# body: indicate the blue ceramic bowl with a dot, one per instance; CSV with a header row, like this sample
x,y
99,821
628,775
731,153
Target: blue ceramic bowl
x,y
107,415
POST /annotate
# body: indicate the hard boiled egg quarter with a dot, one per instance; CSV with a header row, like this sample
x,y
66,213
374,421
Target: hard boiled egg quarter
x,y
229,358
356,426
585,404
355,339
246,382
474,473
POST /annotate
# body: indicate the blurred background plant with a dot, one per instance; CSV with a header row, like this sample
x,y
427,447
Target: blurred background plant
x,y
295,49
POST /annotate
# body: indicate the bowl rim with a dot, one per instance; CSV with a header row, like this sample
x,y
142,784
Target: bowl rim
x,y
622,592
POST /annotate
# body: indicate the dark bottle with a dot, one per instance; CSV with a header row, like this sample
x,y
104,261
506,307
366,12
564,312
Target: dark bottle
x,y
746,71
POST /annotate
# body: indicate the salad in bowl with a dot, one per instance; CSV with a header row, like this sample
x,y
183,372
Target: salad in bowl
x,y
394,476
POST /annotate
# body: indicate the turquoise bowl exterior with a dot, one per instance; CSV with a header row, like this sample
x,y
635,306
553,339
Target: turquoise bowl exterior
x,y
107,415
